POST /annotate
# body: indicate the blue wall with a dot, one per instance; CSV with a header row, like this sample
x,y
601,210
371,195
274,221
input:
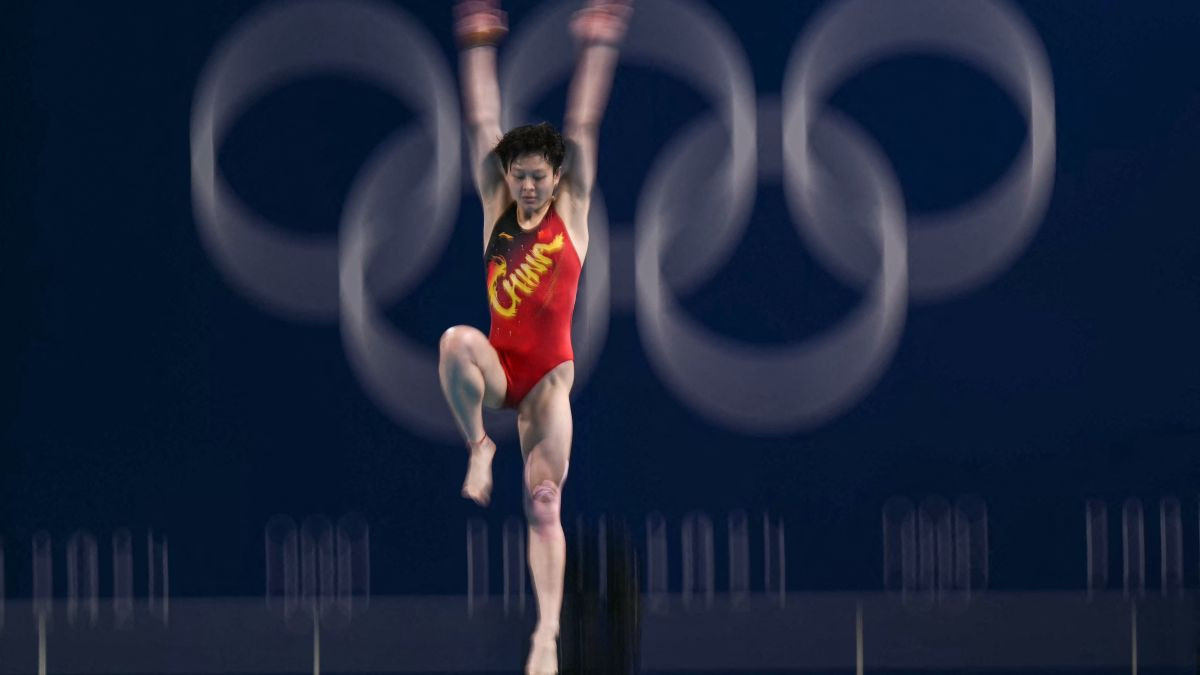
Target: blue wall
x,y
144,390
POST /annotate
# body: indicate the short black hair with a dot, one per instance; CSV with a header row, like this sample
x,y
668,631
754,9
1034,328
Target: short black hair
x,y
532,139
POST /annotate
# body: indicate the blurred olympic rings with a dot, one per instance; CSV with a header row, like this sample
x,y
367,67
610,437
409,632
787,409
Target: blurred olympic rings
x,y
842,192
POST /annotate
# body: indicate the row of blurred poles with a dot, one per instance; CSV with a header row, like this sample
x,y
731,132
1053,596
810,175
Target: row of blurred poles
x,y
317,565
80,592
1133,547
597,542
935,551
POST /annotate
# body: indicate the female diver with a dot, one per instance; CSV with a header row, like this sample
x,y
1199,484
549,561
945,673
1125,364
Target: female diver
x,y
536,187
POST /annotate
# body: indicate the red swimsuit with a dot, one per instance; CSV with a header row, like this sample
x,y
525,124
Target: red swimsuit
x,y
531,277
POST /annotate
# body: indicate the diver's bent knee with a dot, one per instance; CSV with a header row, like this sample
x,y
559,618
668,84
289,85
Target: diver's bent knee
x,y
455,342
545,505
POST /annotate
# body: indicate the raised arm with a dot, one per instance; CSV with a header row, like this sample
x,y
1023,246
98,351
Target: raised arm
x,y
598,29
479,25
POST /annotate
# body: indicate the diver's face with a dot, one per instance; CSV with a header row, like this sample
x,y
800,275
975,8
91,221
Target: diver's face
x,y
531,181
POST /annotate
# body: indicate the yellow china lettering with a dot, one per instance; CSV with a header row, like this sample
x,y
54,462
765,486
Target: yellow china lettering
x,y
524,279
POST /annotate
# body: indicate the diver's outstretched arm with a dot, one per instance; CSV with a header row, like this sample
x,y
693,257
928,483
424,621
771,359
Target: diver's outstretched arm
x,y
598,29
479,25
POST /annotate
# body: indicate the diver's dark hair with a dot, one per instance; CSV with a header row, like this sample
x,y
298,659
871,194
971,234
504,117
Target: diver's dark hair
x,y
532,139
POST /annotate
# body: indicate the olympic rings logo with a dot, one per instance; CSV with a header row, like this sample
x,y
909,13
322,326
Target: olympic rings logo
x,y
841,190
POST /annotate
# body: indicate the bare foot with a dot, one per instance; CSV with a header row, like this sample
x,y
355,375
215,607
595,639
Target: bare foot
x,y
543,655
478,484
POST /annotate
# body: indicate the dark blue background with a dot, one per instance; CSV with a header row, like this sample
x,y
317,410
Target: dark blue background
x,y
142,390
